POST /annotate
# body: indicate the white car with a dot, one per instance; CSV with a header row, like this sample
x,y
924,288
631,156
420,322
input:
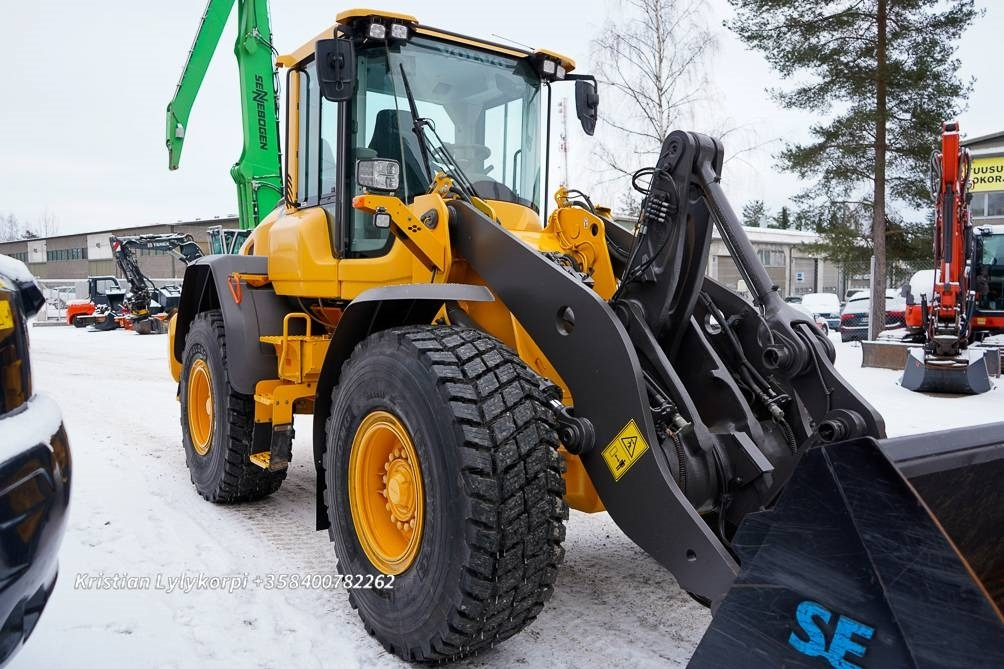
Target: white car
x,y
818,320
826,305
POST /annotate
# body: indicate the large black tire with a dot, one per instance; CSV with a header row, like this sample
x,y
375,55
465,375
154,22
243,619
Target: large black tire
x,y
223,474
493,489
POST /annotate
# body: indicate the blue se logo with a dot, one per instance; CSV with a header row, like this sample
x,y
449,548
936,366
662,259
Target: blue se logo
x,y
813,642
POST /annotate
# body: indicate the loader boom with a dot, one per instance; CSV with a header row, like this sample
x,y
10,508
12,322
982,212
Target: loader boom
x,y
257,172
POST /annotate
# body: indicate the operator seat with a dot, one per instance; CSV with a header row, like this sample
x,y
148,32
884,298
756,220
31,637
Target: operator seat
x,y
393,134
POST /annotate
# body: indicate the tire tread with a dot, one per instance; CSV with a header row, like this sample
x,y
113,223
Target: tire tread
x,y
511,473
242,481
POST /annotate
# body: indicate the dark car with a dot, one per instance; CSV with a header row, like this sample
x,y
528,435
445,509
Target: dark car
x,y
34,468
854,317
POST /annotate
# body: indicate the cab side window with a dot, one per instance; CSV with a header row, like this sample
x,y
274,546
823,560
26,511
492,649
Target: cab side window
x,y
308,117
328,151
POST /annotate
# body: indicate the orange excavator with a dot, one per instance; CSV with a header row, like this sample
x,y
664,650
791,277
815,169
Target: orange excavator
x,y
942,319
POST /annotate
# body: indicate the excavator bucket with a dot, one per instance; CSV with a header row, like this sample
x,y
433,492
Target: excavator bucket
x,y
965,374
877,554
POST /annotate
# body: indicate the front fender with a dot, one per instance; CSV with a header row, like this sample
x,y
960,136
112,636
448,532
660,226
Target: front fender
x,y
248,313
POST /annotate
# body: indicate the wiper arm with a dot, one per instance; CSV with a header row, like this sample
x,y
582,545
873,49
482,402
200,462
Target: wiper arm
x,y
417,122
423,141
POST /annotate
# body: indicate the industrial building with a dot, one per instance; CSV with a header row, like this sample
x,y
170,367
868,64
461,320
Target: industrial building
x,y
77,256
74,257
987,206
793,270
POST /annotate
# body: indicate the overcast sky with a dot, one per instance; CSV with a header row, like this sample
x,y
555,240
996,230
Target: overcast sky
x,y
82,100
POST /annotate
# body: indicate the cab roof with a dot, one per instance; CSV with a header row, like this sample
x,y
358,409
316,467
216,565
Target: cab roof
x,y
349,16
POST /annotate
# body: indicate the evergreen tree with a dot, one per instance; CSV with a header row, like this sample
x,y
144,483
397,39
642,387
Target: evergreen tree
x,y
782,221
755,214
887,66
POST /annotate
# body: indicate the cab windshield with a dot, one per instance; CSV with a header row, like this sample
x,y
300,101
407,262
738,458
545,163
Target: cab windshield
x,y
484,106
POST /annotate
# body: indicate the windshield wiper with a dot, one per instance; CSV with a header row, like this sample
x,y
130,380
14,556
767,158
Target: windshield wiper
x,y
440,151
417,122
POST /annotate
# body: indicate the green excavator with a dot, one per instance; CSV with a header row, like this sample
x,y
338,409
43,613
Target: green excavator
x,y
256,173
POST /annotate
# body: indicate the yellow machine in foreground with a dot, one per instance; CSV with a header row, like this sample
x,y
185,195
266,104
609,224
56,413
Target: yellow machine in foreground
x,y
475,368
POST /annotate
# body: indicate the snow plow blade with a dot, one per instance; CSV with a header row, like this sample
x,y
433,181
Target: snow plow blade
x,y
877,554
966,374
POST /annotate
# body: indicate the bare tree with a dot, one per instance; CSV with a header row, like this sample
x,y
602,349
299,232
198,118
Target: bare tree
x,y
10,228
653,68
45,225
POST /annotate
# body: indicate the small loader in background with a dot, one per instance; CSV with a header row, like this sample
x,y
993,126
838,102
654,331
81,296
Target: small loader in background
x,y
476,365
104,293
943,319
145,306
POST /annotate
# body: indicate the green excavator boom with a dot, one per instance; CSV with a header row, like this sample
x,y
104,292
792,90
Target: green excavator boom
x,y
257,172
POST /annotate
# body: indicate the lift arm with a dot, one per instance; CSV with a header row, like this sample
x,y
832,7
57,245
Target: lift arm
x,y
141,288
257,173
950,187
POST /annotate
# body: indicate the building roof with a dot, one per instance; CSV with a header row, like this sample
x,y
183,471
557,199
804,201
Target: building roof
x,y
776,236
219,220
993,138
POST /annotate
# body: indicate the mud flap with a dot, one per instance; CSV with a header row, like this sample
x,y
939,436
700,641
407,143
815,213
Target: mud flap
x,y
966,374
853,566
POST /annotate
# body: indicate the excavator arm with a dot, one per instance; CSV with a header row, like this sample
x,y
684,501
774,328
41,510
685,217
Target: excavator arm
x,y
257,172
947,363
142,290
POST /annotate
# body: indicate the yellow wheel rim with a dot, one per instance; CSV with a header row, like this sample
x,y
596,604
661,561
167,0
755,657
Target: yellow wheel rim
x,y
385,492
200,407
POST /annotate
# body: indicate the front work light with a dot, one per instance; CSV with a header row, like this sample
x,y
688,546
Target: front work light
x,y
378,174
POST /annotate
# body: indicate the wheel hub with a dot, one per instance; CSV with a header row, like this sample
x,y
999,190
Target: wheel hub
x,y
399,491
385,492
200,407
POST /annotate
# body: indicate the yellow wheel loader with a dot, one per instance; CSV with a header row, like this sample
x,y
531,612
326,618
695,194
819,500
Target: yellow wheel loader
x,y
477,364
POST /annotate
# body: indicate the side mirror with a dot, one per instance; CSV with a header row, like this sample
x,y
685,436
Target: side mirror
x,y
336,68
378,174
587,104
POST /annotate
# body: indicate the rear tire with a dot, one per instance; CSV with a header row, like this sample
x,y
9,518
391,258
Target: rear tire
x,y
490,524
216,420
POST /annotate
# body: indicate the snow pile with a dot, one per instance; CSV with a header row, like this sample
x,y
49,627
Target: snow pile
x,y
135,513
35,424
15,269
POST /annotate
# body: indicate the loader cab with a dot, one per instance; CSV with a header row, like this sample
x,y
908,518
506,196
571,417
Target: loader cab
x,y
482,105
105,290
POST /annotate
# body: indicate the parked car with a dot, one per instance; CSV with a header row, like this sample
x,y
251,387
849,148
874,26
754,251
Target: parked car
x,y
818,320
34,468
890,293
854,317
793,299
826,305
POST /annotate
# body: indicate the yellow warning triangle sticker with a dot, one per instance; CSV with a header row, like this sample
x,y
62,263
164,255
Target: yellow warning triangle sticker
x,y
624,450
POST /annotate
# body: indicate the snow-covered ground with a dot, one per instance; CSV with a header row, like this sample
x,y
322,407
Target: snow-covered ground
x,y
134,513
